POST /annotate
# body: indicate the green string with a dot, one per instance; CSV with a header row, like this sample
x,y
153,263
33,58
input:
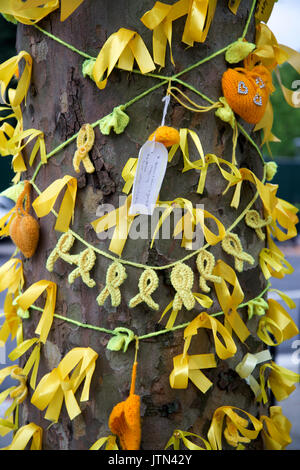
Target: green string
x,y
148,335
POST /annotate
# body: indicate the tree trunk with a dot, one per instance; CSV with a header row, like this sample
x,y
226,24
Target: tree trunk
x,y
59,102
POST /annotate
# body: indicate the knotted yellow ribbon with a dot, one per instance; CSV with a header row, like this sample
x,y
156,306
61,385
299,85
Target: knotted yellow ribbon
x,y
280,380
31,295
225,348
33,360
11,276
199,19
128,174
247,366
284,215
205,264
121,49
276,429
44,203
17,392
148,283
233,246
235,425
272,261
115,276
110,441
23,436
33,11
230,302
12,324
178,435
121,220
187,367
85,141
8,69
59,385
278,322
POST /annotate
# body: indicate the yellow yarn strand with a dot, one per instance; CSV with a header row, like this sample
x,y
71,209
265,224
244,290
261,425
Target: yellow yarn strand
x,y
148,283
115,276
231,244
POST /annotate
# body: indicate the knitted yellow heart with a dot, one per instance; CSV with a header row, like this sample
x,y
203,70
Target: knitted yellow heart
x,y
24,229
247,91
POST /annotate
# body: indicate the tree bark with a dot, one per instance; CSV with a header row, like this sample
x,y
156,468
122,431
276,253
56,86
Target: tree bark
x,y
60,101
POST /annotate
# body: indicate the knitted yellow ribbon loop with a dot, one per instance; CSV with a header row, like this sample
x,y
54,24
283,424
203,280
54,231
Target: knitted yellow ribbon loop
x,y
253,220
115,276
232,245
61,250
182,279
148,283
85,141
85,262
205,264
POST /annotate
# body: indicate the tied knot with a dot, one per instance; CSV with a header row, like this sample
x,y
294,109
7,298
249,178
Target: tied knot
x,y
205,265
20,392
85,142
182,279
231,244
148,283
115,276
66,385
253,220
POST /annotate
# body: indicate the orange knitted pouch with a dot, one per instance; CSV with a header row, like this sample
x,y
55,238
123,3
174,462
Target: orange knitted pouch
x,y
24,229
124,420
166,135
247,91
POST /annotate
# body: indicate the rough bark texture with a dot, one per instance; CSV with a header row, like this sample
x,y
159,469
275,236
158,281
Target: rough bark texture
x,y
59,102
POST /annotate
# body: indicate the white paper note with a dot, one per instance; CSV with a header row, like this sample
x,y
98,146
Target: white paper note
x,y
150,172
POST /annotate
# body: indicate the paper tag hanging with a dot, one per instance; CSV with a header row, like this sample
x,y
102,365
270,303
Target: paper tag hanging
x,y
150,172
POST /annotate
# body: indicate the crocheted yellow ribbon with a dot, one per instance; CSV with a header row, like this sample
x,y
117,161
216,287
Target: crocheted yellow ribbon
x,y
233,246
85,142
115,276
148,283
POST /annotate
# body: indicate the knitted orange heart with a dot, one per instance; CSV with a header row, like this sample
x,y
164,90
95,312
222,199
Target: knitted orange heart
x,y
24,229
247,91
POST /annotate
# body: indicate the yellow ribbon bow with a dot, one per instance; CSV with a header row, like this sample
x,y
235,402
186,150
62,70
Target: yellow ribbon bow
x,y
237,427
17,392
10,68
57,386
121,49
284,215
276,429
121,220
23,437
12,324
247,366
230,302
278,322
187,367
280,380
44,203
178,435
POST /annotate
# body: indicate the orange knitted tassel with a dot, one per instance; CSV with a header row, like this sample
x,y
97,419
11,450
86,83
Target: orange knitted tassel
x,y
24,229
247,91
125,421
166,135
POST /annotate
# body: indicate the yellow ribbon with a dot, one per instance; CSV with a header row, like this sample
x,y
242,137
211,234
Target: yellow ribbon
x,y
230,302
148,283
109,441
272,261
33,360
225,348
23,437
31,295
11,276
68,7
17,392
44,203
280,380
128,174
8,69
115,276
178,435
236,425
278,322
33,11
85,141
284,215
276,430
199,19
121,49
187,367
247,366
12,324
205,264
57,386
232,245
121,220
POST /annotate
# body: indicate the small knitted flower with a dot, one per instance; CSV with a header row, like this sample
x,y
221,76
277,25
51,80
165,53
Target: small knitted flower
x,y
166,135
124,420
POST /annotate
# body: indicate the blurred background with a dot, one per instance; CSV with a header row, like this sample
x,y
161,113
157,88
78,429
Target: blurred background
x,y
284,23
